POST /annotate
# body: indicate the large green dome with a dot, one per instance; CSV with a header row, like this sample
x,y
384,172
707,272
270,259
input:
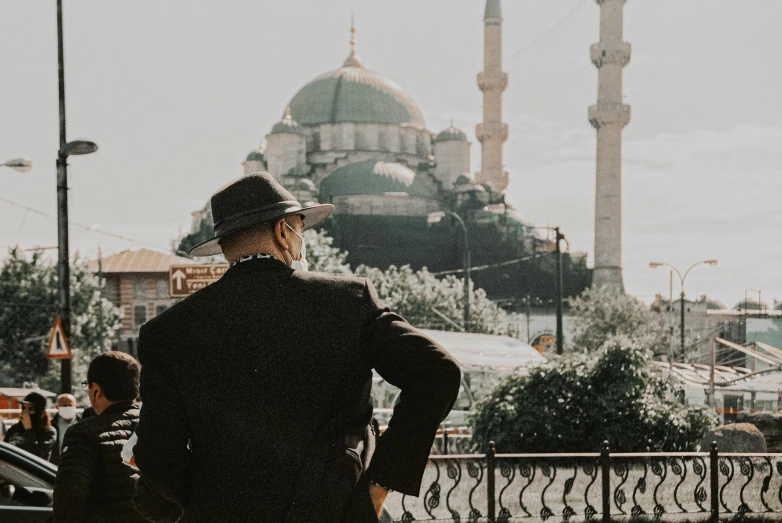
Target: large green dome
x,y
355,94
372,177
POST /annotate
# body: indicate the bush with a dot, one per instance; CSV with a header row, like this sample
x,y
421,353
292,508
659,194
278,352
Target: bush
x,y
576,403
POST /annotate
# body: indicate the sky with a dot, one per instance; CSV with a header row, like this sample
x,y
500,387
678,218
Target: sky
x,y
176,94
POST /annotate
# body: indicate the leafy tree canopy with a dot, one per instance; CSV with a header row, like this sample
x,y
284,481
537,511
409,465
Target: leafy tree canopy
x,y
423,300
600,314
28,306
574,404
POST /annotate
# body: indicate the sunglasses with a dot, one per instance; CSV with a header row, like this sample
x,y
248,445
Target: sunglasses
x,y
85,385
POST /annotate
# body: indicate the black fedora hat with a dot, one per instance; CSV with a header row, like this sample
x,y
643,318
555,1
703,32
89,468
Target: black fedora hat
x,y
251,200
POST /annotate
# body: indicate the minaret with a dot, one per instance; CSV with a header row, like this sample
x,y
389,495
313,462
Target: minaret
x,y
492,133
609,117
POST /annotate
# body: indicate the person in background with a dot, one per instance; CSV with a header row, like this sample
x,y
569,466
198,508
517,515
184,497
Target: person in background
x,y
93,484
65,417
34,432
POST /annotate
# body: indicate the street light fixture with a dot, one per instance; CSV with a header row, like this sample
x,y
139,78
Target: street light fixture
x,y
79,147
74,148
655,265
436,217
21,165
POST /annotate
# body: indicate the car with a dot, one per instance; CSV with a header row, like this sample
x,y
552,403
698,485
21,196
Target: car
x,y
26,486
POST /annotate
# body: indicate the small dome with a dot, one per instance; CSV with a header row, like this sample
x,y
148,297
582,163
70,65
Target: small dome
x,y
256,155
306,184
452,134
463,179
287,125
371,177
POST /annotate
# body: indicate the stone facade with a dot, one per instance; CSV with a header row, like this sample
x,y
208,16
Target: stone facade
x,y
609,116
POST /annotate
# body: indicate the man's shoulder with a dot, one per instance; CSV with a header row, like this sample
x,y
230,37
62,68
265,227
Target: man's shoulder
x,y
333,281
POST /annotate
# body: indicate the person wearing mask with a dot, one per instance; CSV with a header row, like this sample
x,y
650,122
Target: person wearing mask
x,y
93,484
34,432
303,347
65,417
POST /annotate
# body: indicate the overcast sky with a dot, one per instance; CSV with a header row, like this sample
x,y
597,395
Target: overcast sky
x,y
177,93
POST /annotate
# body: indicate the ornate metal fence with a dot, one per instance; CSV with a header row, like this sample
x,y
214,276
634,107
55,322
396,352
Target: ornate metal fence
x,y
685,486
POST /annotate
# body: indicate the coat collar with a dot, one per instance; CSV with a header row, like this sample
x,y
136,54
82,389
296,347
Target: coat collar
x,y
256,262
118,407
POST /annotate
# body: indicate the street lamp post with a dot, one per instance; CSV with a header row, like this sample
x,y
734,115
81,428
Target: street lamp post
x,y
654,265
66,149
436,217
558,286
560,332
21,165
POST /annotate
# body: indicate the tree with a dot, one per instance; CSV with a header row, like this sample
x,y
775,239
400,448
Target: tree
x,y
600,314
423,300
28,306
574,404
322,255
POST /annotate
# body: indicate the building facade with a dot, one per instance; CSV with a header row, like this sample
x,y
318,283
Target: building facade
x,y
137,283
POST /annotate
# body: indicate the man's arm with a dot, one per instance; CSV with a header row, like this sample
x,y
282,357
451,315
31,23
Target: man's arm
x,y
429,379
161,453
75,475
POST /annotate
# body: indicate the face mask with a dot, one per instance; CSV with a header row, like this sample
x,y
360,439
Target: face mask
x,y
299,265
67,413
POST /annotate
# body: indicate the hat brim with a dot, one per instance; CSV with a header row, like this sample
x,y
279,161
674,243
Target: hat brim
x,y
313,215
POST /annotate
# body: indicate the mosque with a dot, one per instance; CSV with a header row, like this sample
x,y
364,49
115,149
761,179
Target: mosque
x,y
356,139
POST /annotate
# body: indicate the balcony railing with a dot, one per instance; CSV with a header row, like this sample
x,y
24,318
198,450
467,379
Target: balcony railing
x,y
605,486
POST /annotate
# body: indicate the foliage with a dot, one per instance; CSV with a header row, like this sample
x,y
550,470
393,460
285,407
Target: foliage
x,y
322,255
572,405
415,295
600,314
28,306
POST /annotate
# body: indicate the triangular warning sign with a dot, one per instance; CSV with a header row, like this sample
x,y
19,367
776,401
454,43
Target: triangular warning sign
x,y
58,345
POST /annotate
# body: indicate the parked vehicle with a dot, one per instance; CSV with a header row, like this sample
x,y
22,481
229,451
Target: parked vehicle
x,y
26,486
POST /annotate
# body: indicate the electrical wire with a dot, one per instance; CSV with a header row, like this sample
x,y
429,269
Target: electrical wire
x,y
579,5
81,226
492,265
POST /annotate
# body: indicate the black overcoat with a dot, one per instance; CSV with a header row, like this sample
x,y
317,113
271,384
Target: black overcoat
x,y
255,387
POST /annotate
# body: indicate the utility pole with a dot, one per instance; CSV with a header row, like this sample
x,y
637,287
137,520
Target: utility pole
x,y
671,321
712,402
681,305
63,263
560,334
76,147
100,304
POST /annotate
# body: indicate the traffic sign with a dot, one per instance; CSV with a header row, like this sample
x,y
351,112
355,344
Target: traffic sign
x,y
184,280
58,346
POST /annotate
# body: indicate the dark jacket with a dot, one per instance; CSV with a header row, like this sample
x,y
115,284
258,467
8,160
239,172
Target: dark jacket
x,y
55,457
93,484
35,442
257,389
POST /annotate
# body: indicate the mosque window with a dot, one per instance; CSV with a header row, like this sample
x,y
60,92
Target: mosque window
x,y
139,290
162,289
139,315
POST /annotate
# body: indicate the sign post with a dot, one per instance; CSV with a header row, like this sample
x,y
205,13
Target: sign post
x,y
58,345
184,280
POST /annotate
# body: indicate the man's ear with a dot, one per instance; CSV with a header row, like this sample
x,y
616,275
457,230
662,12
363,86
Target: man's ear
x,y
281,234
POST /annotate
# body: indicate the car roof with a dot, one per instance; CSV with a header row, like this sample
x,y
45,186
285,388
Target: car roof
x,y
29,462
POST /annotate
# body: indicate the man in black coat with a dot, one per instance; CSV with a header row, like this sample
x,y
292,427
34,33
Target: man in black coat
x,y
93,484
257,388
